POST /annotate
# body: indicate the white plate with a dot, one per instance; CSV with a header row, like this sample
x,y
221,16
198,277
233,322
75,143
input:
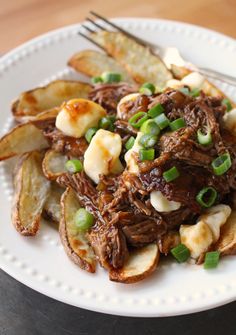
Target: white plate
x,y
40,262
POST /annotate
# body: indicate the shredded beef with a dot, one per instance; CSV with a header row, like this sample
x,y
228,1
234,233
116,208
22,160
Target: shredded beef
x,y
121,204
146,231
71,146
84,189
123,128
178,217
179,145
131,107
109,245
109,95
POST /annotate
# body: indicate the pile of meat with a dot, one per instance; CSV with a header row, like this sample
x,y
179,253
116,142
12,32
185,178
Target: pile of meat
x,y
125,218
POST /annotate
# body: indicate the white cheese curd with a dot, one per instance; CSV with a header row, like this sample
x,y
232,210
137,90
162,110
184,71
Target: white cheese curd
x,y
230,121
174,83
129,97
193,80
130,160
162,204
206,231
102,155
215,217
197,238
77,116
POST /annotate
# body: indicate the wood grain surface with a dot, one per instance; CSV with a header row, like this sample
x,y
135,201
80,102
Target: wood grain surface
x,y
21,20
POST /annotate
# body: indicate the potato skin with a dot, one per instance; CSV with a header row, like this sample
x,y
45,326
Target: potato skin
x,y
93,63
27,206
226,244
125,276
41,99
54,164
63,231
16,141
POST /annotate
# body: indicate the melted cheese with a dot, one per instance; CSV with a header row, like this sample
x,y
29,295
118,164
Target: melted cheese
x,y
77,116
193,80
102,155
230,121
215,217
206,231
174,83
197,238
162,204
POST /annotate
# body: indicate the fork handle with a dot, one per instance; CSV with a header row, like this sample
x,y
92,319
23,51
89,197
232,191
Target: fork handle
x,y
218,75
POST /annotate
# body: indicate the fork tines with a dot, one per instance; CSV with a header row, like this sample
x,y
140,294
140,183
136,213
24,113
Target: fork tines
x,y
93,26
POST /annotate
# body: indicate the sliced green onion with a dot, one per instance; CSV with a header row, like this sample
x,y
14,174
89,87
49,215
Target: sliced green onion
x,y
156,110
171,174
96,80
221,164
129,144
162,121
106,123
148,140
112,118
138,119
227,103
150,127
207,197
177,124
195,92
83,219
204,139
181,253
74,165
184,90
90,133
147,89
111,77
211,259
146,154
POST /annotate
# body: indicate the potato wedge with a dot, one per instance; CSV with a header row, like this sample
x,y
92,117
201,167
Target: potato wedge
x,y
138,60
209,88
47,115
52,206
226,244
54,164
40,99
140,264
93,63
22,139
31,192
75,242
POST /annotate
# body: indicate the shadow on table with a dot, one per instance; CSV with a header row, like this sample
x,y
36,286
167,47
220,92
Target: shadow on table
x,y
26,312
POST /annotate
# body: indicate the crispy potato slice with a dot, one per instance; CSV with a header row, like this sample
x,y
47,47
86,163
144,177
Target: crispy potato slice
x,y
47,115
209,88
40,99
75,242
31,192
21,139
138,60
93,63
52,206
140,264
54,164
227,241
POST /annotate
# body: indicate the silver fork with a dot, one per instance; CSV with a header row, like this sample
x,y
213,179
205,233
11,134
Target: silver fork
x,y
169,55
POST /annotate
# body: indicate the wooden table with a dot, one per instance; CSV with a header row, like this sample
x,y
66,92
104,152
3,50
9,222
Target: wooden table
x,y
21,20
